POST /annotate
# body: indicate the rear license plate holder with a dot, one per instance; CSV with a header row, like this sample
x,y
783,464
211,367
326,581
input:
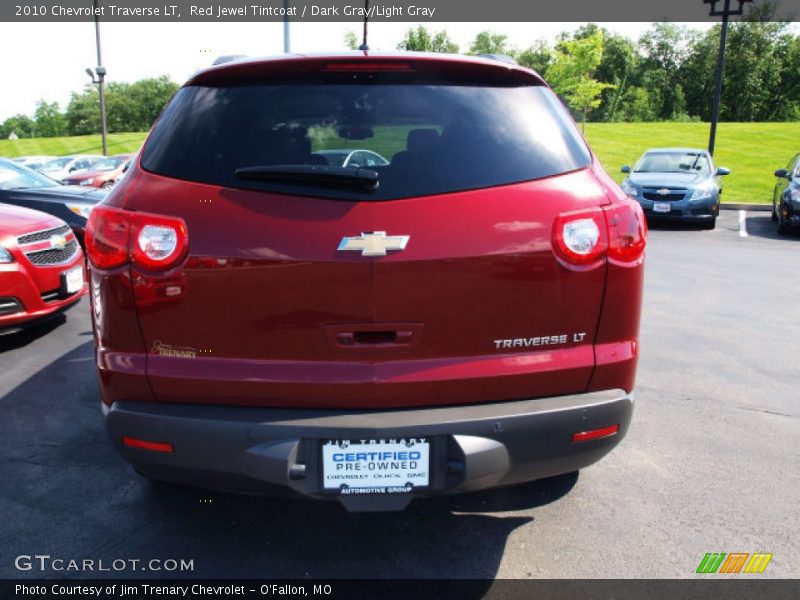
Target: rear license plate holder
x,y
375,466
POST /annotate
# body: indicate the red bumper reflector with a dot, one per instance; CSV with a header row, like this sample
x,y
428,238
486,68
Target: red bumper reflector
x,y
585,436
144,445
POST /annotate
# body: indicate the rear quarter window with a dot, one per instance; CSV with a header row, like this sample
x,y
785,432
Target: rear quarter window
x,y
429,139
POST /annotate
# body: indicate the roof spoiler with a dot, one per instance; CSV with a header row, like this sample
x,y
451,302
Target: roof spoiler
x,y
504,58
221,60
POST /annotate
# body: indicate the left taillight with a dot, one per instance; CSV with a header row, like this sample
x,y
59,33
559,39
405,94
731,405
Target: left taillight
x,y
115,237
580,237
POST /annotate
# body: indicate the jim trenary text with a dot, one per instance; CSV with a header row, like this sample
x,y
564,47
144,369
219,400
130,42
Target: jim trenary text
x,y
123,590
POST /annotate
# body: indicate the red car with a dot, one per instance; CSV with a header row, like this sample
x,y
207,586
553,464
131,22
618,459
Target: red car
x,y
102,174
463,317
41,267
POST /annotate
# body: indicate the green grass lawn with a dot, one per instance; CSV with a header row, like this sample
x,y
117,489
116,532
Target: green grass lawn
x,y
118,143
751,150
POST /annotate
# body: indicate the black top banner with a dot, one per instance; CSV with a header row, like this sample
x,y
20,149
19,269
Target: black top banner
x,y
388,10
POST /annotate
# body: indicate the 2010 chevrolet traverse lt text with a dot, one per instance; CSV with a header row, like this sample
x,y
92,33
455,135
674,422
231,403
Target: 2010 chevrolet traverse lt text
x,y
463,317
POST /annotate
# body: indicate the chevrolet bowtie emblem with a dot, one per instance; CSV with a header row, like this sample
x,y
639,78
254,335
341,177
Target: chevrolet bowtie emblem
x,y
58,242
374,243
663,192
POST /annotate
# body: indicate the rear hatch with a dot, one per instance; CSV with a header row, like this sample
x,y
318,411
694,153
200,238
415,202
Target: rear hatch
x,y
306,284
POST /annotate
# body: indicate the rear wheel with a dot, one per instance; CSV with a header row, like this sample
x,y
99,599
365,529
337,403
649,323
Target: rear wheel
x,y
774,212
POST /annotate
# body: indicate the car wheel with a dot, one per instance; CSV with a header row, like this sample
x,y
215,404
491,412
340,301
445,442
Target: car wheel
x,y
783,226
774,213
107,185
710,224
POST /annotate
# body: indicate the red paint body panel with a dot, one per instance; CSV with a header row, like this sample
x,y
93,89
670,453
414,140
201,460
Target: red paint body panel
x,y
250,318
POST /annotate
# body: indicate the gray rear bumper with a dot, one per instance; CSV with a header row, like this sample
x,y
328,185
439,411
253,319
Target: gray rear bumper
x,y
255,450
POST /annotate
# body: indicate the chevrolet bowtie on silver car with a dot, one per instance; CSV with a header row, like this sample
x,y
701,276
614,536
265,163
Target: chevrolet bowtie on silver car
x,y
677,184
458,314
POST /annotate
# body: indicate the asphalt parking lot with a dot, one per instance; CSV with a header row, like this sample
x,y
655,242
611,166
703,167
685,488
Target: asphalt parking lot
x,y
710,463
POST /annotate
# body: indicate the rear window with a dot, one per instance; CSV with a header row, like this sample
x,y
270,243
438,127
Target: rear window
x,y
420,139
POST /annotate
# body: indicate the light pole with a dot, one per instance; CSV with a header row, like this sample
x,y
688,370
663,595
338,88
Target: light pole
x,y
286,44
725,12
100,71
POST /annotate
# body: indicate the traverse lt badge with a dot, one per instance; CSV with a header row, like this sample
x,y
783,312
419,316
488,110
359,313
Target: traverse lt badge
x,y
374,243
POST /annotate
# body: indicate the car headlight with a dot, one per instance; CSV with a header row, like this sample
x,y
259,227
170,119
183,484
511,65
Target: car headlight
x,y
5,256
80,208
794,195
629,188
89,181
701,194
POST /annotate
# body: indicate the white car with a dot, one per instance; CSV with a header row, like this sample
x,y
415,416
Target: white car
x,y
61,167
33,162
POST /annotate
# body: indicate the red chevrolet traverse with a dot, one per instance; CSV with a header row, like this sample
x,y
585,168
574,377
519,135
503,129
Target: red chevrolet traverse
x,y
455,309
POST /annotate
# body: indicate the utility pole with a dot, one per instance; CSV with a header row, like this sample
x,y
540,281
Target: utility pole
x,y
726,12
101,81
286,44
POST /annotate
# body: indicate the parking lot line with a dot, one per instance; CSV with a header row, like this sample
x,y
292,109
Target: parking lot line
x,y
742,223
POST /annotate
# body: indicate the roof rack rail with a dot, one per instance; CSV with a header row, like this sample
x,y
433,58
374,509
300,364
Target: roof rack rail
x,y
505,58
227,58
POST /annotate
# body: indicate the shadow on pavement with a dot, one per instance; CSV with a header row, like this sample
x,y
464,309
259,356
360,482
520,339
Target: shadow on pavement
x,y
764,227
66,493
19,339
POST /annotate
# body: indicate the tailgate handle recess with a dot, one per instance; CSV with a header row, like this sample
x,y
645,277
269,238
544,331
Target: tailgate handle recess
x,y
374,338
366,336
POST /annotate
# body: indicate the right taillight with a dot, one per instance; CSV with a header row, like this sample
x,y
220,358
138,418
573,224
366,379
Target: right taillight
x,y
627,232
115,237
584,237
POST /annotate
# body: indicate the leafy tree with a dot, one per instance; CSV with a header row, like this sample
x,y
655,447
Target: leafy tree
x,y
620,68
487,42
572,72
538,57
149,97
421,40
664,48
635,105
697,72
129,106
752,71
50,122
83,112
21,125
351,40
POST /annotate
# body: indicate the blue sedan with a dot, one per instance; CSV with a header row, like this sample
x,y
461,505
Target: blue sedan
x,y
676,184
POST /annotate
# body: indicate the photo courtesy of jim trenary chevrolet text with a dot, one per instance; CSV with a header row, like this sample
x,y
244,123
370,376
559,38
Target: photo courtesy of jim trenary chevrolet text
x,y
399,298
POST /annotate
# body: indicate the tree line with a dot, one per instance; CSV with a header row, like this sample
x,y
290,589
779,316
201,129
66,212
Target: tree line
x,y
667,74
129,107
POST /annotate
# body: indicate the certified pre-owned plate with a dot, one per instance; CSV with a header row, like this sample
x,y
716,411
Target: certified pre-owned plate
x,y
383,466
73,280
661,207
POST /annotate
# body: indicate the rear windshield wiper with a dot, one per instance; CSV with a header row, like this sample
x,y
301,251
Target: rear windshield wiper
x,y
357,177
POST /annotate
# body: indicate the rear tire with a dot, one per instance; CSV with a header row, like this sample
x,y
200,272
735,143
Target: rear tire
x,y
774,215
